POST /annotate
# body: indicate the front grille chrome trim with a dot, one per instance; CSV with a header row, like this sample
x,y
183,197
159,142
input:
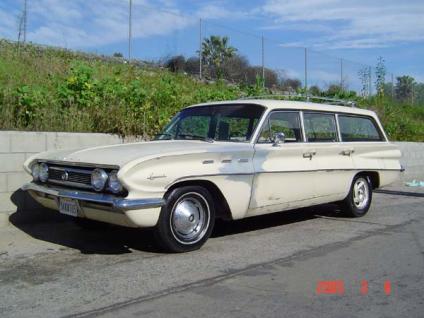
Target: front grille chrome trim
x,y
78,164
71,184
71,169
77,178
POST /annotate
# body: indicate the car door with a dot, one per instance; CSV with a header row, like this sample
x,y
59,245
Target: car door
x,y
283,176
332,159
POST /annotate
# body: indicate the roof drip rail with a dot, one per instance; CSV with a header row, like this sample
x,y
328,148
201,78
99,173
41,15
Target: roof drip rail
x,y
329,100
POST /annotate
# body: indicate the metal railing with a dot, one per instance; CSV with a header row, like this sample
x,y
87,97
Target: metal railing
x,y
301,97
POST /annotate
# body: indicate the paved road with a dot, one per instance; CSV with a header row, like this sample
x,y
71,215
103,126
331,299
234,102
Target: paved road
x,y
265,266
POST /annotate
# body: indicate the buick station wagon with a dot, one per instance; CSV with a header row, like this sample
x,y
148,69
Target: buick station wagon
x,y
227,160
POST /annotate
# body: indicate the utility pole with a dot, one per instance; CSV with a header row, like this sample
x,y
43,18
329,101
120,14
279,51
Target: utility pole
x,y
263,62
306,74
25,19
341,74
129,31
22,28
200,48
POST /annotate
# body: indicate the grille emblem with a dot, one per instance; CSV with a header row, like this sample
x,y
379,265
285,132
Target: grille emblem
x,y
65,176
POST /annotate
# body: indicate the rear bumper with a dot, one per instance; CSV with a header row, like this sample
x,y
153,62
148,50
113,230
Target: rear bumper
x,y
111,203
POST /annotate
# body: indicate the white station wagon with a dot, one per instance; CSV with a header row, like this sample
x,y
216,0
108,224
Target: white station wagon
x,y
229,160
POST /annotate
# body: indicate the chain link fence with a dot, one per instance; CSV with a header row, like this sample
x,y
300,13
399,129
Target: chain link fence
x,y
204,48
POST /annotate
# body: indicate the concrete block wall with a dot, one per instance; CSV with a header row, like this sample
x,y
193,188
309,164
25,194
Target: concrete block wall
x,y
17,146
412,160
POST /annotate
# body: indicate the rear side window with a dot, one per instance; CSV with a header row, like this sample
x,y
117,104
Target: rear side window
x,y
282,122
320,127
354,128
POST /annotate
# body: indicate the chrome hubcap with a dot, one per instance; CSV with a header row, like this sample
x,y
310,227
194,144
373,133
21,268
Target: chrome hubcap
x,y
190,218
361,193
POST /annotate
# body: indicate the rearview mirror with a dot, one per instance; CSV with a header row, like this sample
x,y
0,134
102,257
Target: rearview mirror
x,y
279,138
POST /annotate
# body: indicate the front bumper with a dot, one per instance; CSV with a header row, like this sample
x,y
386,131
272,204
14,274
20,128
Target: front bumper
x,y
113,203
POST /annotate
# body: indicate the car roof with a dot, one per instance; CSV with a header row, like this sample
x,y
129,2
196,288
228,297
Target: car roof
x,y
298,105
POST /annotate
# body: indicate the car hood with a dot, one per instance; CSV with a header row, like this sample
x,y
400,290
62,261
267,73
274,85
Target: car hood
x,y
121,154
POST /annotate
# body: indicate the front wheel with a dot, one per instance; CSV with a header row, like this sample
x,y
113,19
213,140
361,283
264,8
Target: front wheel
x,y
358,201
186,220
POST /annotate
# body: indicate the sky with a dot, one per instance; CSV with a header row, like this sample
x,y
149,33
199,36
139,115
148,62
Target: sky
x,y
341,36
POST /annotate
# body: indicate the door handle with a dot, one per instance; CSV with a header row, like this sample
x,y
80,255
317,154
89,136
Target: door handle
x,y
347,152
309,154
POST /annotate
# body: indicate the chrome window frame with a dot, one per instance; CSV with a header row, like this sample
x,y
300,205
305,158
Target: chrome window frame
x,y
266,121
377,126
334,114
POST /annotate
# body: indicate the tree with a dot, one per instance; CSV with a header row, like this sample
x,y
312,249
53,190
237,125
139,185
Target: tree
x,y
118,54
215,51
291,84
380,76
334,90
364,75
314,90
192,66
404,88
235,68
176,64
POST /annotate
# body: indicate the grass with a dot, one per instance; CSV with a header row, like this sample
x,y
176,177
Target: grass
x,y
48,89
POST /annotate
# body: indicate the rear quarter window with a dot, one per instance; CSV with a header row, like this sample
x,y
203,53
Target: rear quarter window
x,y
354,128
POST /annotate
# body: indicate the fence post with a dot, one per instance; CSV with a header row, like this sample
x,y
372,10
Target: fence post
x,y
263,62
306,74
200,48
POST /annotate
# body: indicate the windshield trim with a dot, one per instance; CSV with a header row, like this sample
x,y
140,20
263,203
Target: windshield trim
x,y
252,135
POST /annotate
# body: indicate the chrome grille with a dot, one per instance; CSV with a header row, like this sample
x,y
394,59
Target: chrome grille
x,y
80,178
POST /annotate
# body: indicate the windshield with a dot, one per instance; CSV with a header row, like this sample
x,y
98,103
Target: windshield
x,y
233,123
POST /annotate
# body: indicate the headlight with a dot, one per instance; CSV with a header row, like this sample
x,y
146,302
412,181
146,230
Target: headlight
x,y
114,184
98,179
35,171
43,173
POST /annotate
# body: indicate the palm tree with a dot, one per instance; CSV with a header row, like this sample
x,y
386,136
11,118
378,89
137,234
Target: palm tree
x,y
215,51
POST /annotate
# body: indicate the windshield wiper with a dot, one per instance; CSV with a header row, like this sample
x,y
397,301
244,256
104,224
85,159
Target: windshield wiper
x,y
195,137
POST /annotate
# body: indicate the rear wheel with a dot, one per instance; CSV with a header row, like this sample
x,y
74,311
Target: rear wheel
x,y
358,201
186,220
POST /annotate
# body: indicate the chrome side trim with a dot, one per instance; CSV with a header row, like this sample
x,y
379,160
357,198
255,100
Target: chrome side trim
x,y
260,172
119,204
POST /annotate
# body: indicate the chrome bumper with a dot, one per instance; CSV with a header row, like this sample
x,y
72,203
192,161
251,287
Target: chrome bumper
x,y
96,198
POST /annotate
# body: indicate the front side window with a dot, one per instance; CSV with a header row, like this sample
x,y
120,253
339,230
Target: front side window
x,y
282,122
320,127
354,128
232,123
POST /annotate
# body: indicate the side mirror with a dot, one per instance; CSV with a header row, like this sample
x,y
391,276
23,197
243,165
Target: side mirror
x,y
279,138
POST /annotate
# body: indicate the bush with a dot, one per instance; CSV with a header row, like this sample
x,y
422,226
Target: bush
x,y
58,90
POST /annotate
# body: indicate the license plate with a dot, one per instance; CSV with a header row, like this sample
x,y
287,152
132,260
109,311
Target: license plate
x,y
68,206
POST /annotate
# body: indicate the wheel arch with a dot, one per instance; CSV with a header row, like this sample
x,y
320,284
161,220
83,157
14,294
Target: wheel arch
x,y
373,176
222,209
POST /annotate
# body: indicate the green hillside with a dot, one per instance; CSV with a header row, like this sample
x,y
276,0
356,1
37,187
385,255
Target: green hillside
x,y
47,89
